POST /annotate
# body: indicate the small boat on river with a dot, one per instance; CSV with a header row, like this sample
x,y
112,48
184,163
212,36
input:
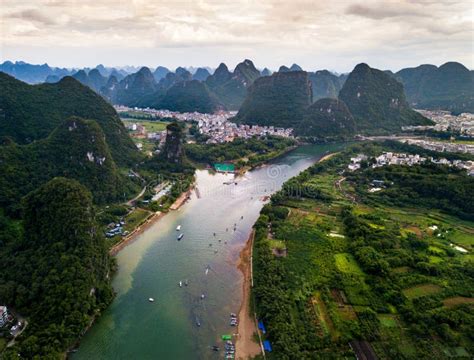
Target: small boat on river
x,y
180,236
180,284
178,227
151,299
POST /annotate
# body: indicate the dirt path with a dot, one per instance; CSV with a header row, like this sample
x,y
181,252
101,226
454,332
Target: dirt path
x,y
246,347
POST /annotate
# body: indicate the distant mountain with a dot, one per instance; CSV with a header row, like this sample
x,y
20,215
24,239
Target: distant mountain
x,y
327,118
160,72
51,79
32,112
449,87
231,88
180,74
184,96
325,84
201,74
295,67
266,72
30,73
377,101
94,79
134,87
278,100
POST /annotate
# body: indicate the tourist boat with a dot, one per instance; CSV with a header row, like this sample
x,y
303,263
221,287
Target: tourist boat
x,y
151,299
233,315
180,284
180,236
178,227
203,296
207,269
198,323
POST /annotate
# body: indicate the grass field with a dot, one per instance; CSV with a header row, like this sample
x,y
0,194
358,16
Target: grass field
x,y
346,263
421,290
134,218
150,126
388,321
458,300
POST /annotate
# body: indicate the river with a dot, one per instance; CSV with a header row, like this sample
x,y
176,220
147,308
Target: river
x,y
152,266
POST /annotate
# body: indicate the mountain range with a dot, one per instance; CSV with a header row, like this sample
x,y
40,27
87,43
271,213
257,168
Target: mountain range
x,y
370,102
61,129
449,87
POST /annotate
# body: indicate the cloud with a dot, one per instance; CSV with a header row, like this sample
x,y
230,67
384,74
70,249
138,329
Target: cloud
x,y
33,15
273,31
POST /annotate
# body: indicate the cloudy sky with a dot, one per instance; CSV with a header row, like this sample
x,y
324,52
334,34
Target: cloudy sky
x,y
330,34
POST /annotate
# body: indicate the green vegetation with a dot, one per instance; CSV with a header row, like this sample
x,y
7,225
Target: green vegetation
x,y
32,112
278,100
245,152
393,279
449,87
77,150
56,271
377,102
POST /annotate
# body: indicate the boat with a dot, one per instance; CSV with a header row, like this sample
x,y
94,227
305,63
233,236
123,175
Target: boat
x,y
207,269
233,315
180,236
151,299
198,323
215,348
186,282
180,284
203,296
178,227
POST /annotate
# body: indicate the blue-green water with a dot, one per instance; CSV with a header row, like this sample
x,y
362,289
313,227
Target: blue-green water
x,y
153,265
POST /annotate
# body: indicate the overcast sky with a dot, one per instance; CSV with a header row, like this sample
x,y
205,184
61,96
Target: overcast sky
x,y
318,34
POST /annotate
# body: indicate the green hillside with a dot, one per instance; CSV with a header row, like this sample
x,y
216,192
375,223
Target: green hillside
x,y
327,118
76,149
377,102
31,112
278,100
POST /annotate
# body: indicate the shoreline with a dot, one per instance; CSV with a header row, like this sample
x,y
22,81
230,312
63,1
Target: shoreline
x,y
149,221
246,347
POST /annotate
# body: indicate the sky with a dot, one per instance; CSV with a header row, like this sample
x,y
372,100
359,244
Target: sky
x,y
319,34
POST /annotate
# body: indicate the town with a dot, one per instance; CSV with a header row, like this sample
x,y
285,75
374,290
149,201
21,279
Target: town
x,y
445,121
218,127
389,158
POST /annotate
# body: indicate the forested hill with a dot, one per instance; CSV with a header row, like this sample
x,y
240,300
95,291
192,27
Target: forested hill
x,y
278,100
56,271
377,101
76,149
449,87
32,112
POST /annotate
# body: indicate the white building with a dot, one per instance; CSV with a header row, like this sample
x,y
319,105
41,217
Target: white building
x,y
3,315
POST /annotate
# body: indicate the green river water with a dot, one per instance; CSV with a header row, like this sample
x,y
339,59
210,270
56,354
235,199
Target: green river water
x,y
152,266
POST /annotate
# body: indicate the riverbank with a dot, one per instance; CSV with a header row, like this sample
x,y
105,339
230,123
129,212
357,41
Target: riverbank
x,y
246,347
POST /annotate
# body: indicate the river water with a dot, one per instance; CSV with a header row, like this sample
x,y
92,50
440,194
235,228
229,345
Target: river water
x,y
152,266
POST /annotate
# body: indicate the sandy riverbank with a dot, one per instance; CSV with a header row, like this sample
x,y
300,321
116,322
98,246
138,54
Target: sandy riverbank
x,y
114,250
246,347
328,156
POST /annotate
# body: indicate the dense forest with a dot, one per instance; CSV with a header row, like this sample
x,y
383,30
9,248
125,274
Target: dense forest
x,y
242,151
336,264
55,269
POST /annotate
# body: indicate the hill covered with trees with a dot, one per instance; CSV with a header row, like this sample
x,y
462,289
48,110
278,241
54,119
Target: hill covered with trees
x,y
56,270
31,112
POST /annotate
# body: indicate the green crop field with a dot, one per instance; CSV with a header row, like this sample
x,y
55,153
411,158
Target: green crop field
x,y
347,264
421,290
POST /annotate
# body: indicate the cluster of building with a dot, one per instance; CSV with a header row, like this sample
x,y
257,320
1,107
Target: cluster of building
x,y
114,229
444,121
222,130
217,126
390,158
441,146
